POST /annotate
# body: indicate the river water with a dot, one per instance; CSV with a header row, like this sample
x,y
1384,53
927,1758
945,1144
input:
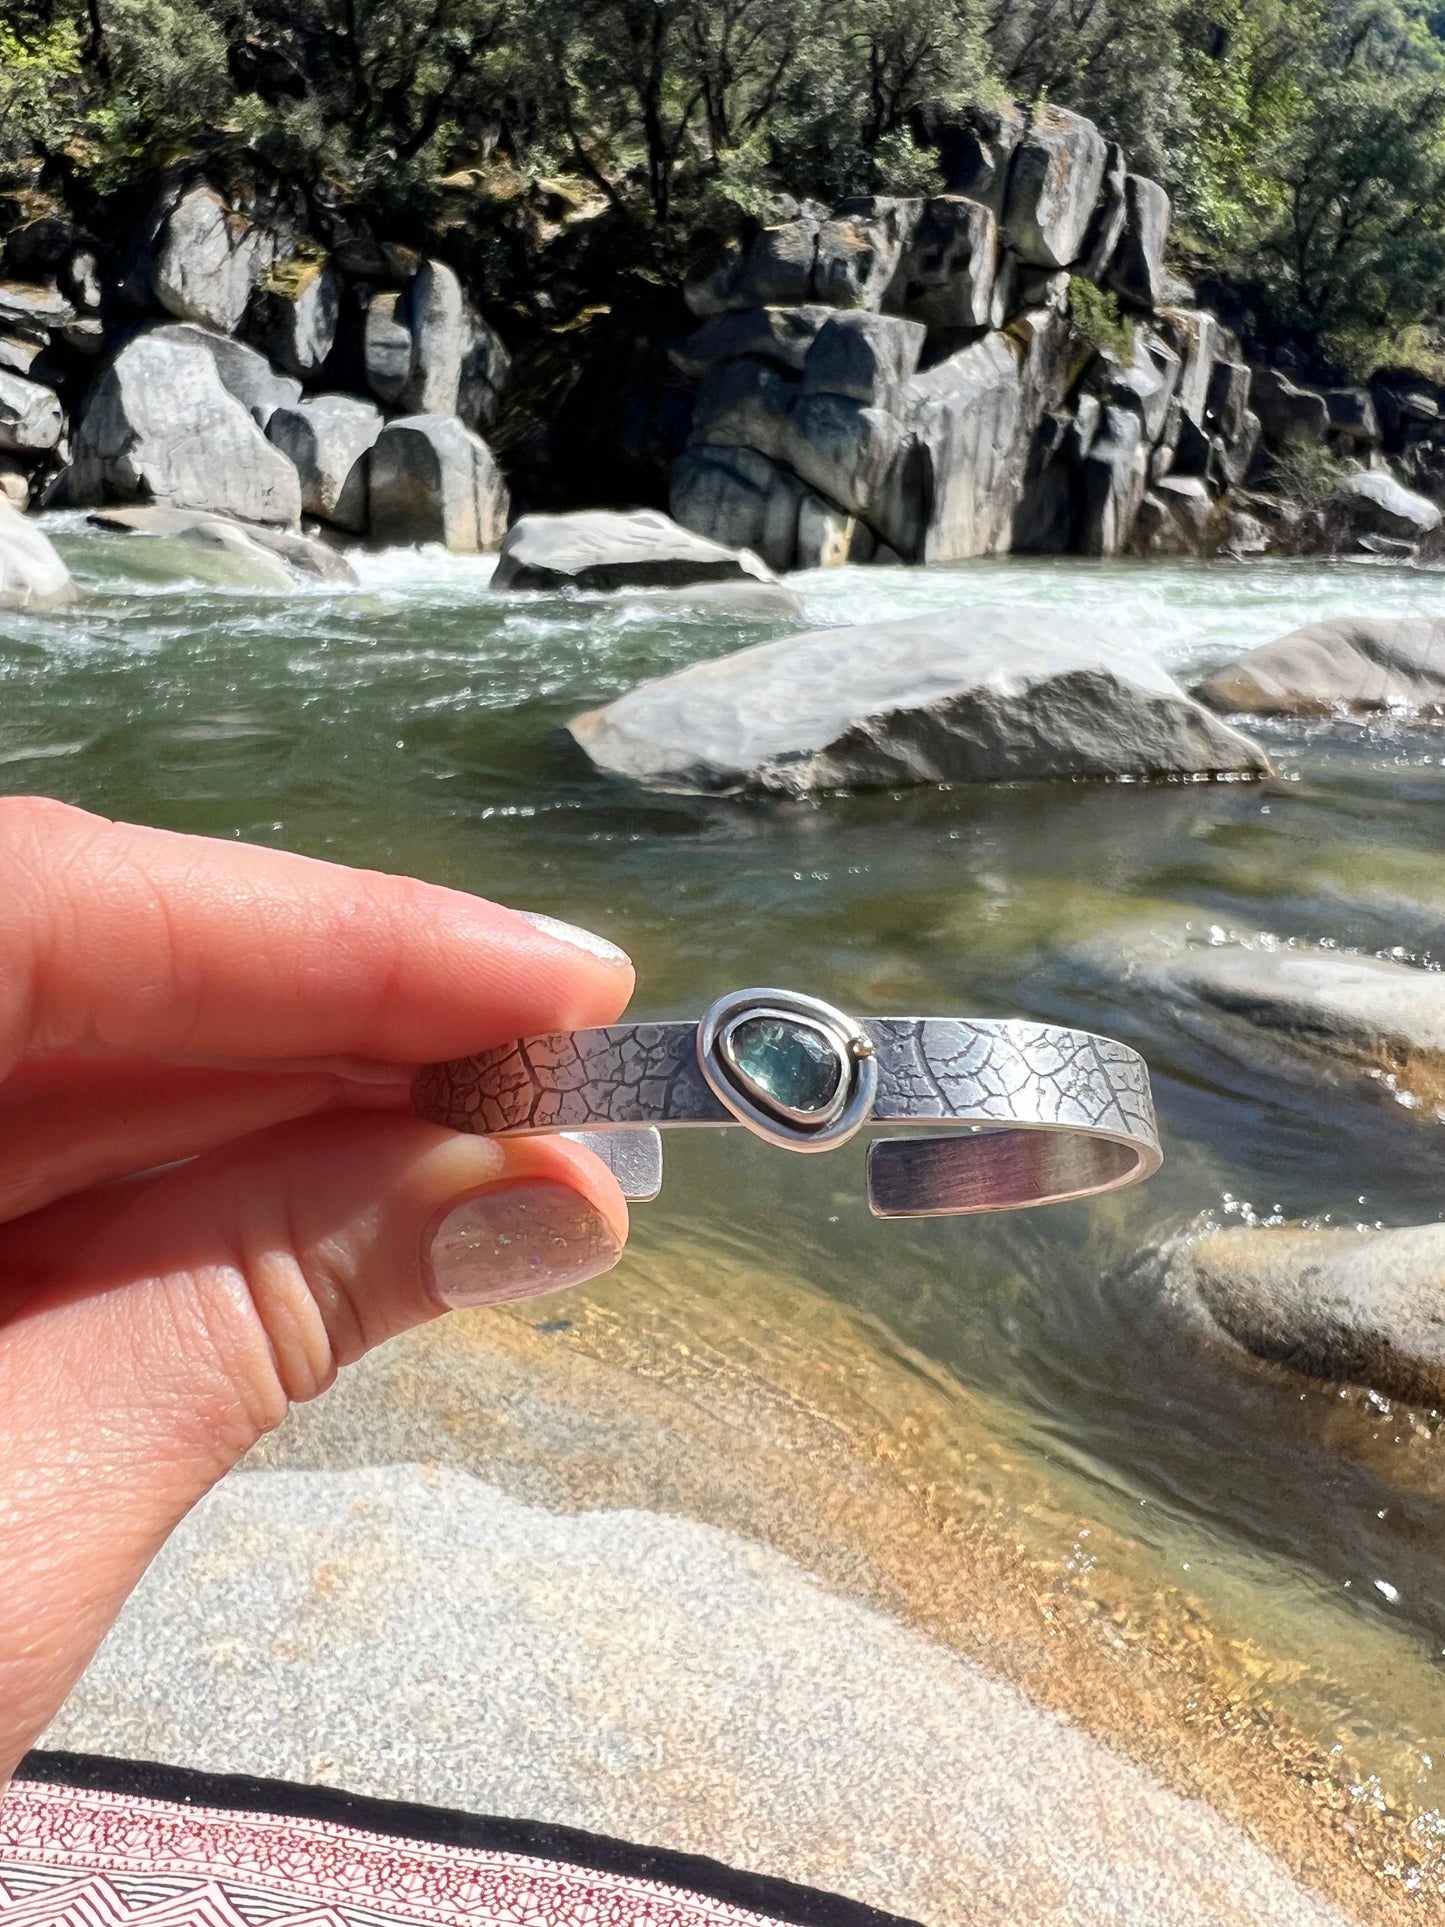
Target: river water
x,y
415,724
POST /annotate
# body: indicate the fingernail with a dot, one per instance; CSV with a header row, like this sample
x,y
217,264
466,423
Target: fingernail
x,y
572,933
516,1242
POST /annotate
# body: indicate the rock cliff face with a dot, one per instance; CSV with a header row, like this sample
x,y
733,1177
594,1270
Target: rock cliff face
x,y
903,379
1002,365
225,363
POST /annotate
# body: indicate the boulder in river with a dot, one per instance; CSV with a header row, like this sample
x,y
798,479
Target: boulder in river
x,y
32,575
1346,1306
160,425
432,480
31,418
612,549
327,438
982,695
252,557
1353,665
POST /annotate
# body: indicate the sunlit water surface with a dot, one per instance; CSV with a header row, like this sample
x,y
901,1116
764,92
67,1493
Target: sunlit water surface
x,y
415,725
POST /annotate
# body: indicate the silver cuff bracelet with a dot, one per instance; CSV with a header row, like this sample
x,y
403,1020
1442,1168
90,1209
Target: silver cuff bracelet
x,y
1042,1114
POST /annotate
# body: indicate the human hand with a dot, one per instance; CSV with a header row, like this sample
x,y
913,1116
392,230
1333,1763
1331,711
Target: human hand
x,y
245,1019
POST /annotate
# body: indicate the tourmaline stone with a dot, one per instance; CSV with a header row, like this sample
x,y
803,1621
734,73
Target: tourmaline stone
x,y
786,1062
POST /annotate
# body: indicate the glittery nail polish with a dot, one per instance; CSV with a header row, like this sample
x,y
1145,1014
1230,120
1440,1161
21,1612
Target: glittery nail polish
x,y
517,1241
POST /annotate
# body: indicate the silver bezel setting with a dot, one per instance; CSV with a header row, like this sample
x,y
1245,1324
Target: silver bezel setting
x,y
778,1123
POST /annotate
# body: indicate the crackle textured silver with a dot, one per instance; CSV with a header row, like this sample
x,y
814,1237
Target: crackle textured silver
x,y
1041,1113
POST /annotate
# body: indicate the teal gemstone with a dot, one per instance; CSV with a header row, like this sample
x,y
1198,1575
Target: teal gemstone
x,y
791,1064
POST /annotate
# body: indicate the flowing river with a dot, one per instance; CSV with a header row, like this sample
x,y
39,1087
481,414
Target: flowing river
x,y
415,724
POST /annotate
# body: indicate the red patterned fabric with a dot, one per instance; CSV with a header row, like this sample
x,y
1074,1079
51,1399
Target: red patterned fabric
x,y
80,1857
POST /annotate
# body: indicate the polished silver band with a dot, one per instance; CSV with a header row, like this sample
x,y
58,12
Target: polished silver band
x,y
1042,1114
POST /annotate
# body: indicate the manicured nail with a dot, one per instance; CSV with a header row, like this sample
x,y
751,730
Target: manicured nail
x,y
572,933
517,1241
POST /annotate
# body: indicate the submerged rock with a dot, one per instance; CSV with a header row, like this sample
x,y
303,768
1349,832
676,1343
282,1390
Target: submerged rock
x,y
159,424
607,549
1349,1307
1354,665
32,575
1347,1015
983,696
432,480
328,438
264,557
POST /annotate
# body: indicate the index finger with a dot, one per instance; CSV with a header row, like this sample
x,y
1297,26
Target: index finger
x,y
115,938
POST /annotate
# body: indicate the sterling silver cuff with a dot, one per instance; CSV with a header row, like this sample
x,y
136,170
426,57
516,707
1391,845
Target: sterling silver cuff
x,y
1041,1114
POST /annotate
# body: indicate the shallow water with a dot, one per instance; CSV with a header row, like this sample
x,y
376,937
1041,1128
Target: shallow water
x,y
416,724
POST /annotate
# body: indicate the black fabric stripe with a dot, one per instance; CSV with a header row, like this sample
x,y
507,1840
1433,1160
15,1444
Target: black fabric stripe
x,y
444,1827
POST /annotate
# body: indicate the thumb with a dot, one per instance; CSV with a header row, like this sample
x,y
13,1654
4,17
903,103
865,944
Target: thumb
x,y
150,1334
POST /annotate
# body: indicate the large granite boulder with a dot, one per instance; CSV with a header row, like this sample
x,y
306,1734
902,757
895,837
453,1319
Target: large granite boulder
x,y
744,404
1345,1306
847,260
436,321
946,275
984,695
1374,503
1291,416
1113,479
1136,270
778,335
293,316
159,424
431,479
1352,665
244,373
972,424
386,347
31,418
850,454
859,249
863,356
34,310
32,575
327,439
607,549
245,556
206,259
1053,185
741,499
